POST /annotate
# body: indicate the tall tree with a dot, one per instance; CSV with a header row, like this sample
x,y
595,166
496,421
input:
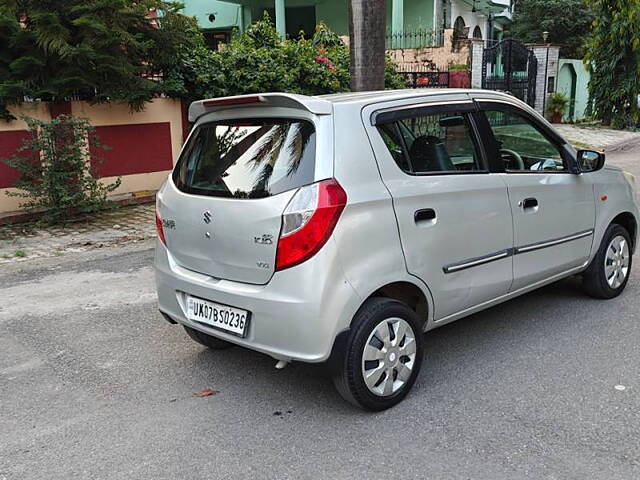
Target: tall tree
x,y
367,26
95,49
567,21
613,58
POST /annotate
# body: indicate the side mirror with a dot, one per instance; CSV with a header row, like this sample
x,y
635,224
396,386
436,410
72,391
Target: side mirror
x,y
590,161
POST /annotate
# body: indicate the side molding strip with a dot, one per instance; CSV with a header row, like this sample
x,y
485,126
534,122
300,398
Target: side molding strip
x,y
475,262
553,243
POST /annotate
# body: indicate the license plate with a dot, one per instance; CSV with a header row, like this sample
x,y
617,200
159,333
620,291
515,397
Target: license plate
x,y
223,317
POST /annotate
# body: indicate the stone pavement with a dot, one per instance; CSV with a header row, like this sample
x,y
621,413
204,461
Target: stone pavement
x,y
596,137
121,226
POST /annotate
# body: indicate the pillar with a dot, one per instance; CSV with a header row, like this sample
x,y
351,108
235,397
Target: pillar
x,y
548,57
245,16
281,19
477,51
397,16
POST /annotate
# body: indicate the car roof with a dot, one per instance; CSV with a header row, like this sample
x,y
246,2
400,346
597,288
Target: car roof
x,y
359,100
385,95
390,95
323,104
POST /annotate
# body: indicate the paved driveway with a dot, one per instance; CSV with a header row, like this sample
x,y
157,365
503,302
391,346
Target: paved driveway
x,y
94,384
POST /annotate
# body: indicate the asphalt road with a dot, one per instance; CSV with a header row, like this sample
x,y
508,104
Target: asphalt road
x,y
95,384
626,156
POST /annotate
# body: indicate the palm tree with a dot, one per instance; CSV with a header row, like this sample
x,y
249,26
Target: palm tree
x,y
367,25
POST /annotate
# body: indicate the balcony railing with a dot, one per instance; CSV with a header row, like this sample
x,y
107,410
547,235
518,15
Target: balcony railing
x,y
414,39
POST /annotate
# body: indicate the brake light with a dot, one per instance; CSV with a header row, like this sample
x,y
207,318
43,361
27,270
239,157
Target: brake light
x,y
159,227
233,101
308,222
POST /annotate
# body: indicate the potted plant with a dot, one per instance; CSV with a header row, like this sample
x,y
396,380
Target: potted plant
x,y
557,106
459,75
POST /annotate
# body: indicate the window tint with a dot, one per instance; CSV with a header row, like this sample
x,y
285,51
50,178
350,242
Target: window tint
x,y
391,136
247,158
434,143
522,146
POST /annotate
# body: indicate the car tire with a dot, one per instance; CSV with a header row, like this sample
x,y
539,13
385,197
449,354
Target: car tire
x,y
609,272
207,340
364,381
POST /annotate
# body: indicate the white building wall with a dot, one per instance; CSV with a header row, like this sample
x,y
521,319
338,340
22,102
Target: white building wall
x,y
507,12
461,9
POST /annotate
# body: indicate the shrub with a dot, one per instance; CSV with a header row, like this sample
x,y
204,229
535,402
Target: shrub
x,y
558,104
259,60
56,173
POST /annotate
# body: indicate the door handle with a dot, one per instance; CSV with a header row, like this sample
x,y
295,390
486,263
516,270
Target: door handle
x,y
424,215
529,203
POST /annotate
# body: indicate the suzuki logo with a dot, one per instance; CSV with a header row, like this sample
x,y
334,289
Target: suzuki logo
x,y
207,217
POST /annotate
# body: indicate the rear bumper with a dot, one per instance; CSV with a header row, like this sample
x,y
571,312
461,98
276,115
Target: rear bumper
x,y
296,316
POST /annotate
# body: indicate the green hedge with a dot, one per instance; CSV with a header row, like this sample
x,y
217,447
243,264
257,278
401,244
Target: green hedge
x,y
259,60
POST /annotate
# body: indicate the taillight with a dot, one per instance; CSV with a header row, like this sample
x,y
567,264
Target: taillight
x,y
159,227
308,221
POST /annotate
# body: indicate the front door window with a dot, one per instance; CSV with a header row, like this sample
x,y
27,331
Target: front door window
x,y
523,148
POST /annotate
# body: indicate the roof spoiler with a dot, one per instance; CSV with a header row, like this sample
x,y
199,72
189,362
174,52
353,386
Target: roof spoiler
x,y
311,104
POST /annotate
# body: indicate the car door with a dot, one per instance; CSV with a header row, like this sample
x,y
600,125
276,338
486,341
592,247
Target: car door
x,y
553,209
453,215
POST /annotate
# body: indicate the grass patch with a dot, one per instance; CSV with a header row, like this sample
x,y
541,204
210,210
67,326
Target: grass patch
x,y
20,254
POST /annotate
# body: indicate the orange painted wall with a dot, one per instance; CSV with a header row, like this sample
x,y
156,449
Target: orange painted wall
x,y
155,139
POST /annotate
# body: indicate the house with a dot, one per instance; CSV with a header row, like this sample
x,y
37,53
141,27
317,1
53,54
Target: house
x,y
216,19
469,18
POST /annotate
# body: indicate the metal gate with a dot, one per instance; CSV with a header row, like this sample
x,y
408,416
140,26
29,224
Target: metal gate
x,y
511,67
423,75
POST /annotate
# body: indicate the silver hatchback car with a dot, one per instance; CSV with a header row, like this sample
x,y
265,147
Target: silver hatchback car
x,y
340,228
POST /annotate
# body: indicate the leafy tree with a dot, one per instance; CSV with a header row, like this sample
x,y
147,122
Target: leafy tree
x,y
97,50
259,60
56,172
613,58
567,21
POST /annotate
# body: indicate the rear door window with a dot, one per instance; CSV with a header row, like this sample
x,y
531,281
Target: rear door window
x,y
433,143
253,158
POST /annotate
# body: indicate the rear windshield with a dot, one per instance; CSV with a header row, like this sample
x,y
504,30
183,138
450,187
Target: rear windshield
x,y
247,158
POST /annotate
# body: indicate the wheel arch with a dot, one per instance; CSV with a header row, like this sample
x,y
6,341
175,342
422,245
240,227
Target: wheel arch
x,y
629,222
408,293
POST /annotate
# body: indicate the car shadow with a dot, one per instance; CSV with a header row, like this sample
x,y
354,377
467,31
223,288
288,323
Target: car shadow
x,y
457,347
